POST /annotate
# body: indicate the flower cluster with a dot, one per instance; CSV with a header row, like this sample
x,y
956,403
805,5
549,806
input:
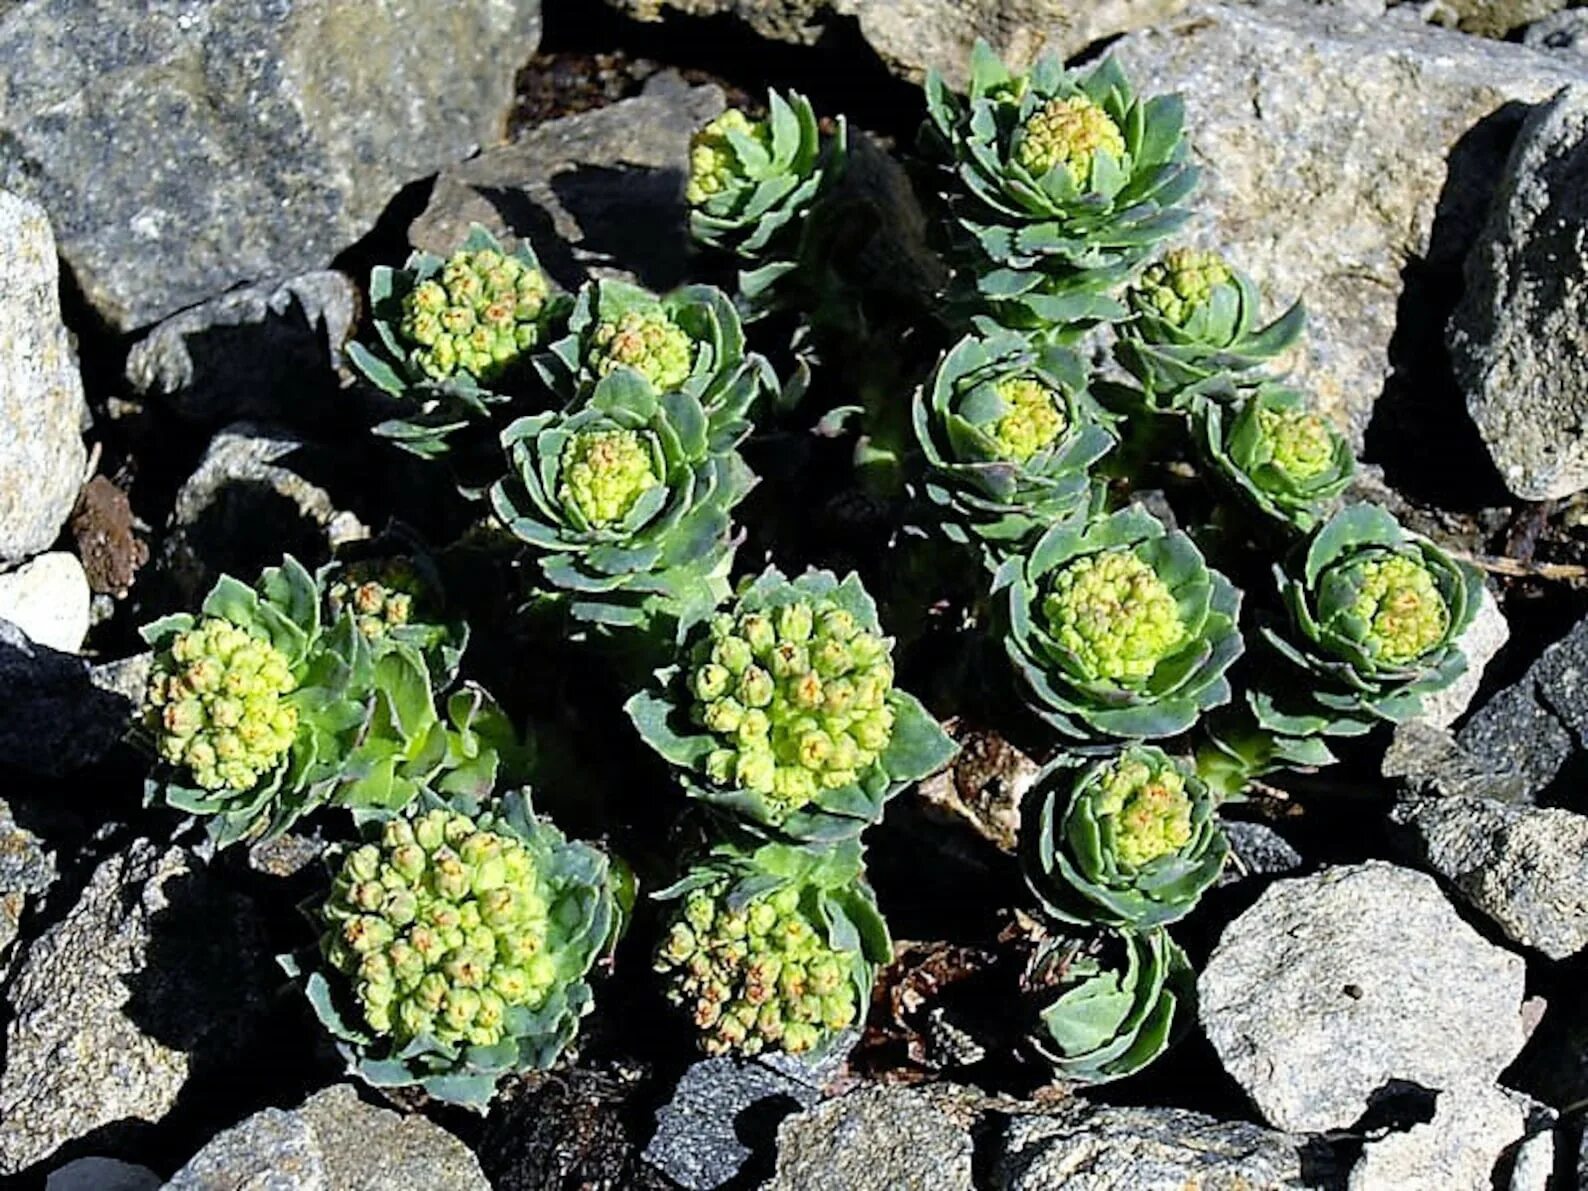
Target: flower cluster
x,y
478,315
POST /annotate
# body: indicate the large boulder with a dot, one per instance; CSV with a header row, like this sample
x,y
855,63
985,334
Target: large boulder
x,y
182,149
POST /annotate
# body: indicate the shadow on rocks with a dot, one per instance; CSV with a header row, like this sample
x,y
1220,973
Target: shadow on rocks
x,y
630,215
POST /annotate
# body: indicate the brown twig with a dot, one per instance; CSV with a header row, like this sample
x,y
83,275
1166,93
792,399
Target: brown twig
x,y
1564,572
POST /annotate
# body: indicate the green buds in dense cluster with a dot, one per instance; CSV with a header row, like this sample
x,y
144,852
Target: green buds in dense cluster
x,y
1193,330
215,705
455,950
627,501
775,949
784,709
1118,628
1375,617
1289,464
1008,434
1122,1000
449,333
397,601
1131,841
753,183
1061,183
646,339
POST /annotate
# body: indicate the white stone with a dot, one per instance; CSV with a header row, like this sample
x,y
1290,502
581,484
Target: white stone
x,y
48,599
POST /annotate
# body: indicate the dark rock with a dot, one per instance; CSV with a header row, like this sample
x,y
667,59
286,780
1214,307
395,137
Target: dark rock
x,y
26,871
57,713
102,1174
251,140
1257,850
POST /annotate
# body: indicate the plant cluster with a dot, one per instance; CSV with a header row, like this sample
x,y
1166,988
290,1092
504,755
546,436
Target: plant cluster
x,y
1024,411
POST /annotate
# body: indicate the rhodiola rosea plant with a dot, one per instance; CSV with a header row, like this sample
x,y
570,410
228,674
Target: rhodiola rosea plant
x,y
746,647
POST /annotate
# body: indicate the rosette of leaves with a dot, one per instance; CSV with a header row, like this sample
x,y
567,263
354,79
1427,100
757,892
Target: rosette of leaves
x,y
1118,629
1123,999
1194,329
689,341
259,712
1287,463
449,334
752,184
1131,841
775,948
1008,433
397,601
1375,619
455,950
626,501
1063,181
782,711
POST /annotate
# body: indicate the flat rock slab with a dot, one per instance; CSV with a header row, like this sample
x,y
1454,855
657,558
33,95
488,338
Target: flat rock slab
x,y
1333,986
874,1139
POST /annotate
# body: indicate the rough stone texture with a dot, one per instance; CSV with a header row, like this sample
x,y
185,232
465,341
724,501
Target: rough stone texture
x,y
1559,33
874,1139
265,351
41,399
983,788
253,138
1492,18
333,1141
102,1174
1458,1149
1535,1163
1485,636
47,598
1524,867
1518,341
914,35
26,870
1095,1147
1290,109
1332,986
1426,760
609,183
57,713
152,969
247,504
1257,850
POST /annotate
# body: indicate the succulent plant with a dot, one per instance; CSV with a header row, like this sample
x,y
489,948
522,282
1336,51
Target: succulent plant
x,y
1062,181
1124,998
1194,329
1008,433
457,949
450,333
1289,464
260,712
627,502
1118,629
690,341
752,184
1131,841
397,601
1375,619
773,949
783,710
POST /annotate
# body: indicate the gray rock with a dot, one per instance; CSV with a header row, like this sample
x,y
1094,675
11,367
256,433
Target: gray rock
x,y
249,503
1334,985
609,183
57,713
47,598
154,970
883,1138
1523,867
1517,340
1491,18
1285,106
720,1110
1257,850
102,1174
264,351
41,402
1458,1149
285,855
1426,760
252,140
26,871
333,1141
1096,1147
1485,636
1560,33
1535,1162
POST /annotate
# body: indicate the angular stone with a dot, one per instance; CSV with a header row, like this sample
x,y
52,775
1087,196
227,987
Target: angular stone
x,y
1484,637
874,1139
102,1174
251,140
1257,850
1095,1147
1458,1148
47,598
41,400
264,351
1334,986
1289,109
26,871
1517,340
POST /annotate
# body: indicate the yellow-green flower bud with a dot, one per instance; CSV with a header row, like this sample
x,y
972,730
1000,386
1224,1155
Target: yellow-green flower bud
x,y
1068,132
713,165
1114,614
1405,614
1034,419
476,316
604,472
1300,444
649,342
1148,807
1175,287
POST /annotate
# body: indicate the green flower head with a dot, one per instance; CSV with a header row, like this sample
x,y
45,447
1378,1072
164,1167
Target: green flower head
x,y
1067,132
714,166
1179,284
1114,613
1404,614
215,703
477,315
604,472
646,340
1300,444
1145,808
1035,417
